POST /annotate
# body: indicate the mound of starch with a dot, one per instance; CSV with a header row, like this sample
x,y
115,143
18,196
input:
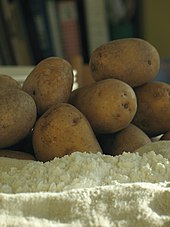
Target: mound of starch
x,y
85,170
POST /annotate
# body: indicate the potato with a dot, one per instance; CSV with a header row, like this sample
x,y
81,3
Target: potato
x,y
109,105
132,60
153,112
24,145
16,155
8,81
126,140
50,82
165,136
62,130
17,115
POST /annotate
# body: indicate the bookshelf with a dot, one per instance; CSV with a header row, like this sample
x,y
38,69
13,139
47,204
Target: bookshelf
x,y
154,24
35,29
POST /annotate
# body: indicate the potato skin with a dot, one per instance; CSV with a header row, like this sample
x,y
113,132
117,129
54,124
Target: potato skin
x,y
109,105
126,140
62,130
132,60
16,155
17,115
8,81
50,82
153,112
24,145
165,136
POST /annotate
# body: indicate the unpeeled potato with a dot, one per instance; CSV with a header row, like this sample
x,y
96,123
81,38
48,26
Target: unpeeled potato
x,y
50,82
17,115
153,112
132,60
126,140
16,155
62,130
165,136
109,105
24,145
8,81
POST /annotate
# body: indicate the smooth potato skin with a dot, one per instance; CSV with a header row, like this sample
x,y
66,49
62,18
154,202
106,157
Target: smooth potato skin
x,y
24,145
165,136
16,155
109,105
17,115
61,131
126,140
8,81
132,60
153,112
50,82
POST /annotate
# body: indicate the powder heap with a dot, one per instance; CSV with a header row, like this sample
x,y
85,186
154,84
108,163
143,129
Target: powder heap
x,y
85,170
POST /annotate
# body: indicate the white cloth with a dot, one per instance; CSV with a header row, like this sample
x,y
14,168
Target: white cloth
x,y
122,204
130,204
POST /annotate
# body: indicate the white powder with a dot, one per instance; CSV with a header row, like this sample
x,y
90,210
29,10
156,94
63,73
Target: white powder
x,y
83,170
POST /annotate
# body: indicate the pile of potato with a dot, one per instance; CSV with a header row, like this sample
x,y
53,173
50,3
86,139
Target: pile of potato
x,y
121,111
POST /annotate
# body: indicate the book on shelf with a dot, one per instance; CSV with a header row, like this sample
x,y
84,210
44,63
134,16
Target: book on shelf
x,y
120,14
1,58
69,27
83,31
54,28
37,23
37,29
16,33
6,52
96,23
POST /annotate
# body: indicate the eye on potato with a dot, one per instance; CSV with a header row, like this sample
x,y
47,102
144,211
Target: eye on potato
x,y
50,82
132,60
62,130
17,115
109,105
153,112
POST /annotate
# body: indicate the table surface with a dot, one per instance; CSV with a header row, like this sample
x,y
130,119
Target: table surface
x,y
17,72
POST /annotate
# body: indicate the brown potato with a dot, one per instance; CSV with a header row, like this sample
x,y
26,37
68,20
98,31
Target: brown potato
x,y
50,82
126,140
109,105
62,130
16,155
8,81
17,115
153,112
165,136
24,145
132,60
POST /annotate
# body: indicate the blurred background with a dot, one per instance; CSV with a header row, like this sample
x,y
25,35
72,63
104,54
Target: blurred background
x,y
31,30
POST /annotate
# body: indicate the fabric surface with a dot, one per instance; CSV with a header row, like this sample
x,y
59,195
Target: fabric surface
x,y
137,204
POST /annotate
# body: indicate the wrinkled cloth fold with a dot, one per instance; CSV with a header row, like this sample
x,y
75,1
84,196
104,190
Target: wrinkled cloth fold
x,y
126,204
